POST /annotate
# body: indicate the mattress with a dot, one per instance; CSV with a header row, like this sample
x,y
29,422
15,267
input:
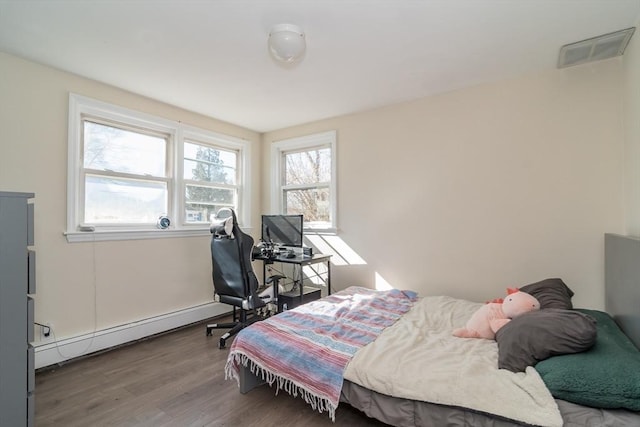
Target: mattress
x,y
413,413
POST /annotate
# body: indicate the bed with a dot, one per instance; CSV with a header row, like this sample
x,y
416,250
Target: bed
x,y
392,355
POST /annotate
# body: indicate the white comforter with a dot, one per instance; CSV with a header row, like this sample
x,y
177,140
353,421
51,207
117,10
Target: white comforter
x,y
418,358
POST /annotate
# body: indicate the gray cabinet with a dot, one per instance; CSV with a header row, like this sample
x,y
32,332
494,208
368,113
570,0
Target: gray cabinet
x,y
17,281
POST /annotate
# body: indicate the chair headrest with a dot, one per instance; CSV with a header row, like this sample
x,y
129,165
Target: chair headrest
x,y
222,227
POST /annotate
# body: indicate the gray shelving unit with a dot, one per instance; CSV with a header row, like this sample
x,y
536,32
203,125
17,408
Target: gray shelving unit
x,y
17,282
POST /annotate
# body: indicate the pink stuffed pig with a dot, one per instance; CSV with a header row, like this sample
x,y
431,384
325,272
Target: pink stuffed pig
x,y
486,321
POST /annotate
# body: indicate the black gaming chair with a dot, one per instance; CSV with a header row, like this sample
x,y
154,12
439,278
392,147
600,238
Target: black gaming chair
x,y
233,278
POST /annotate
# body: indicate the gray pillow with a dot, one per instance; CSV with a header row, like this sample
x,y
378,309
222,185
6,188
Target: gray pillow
x,y
551,293
538,335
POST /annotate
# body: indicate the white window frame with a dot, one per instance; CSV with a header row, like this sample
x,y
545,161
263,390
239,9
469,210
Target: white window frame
x,y
81,107
308,142
241,147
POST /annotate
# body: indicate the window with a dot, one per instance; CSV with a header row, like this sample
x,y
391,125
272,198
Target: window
x,y
127,169
124,175
210,179
304,179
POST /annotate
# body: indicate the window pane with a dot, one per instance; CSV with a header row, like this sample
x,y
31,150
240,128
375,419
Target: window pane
x,y
313,203
203,202
202,163
118,201
307,167
120,150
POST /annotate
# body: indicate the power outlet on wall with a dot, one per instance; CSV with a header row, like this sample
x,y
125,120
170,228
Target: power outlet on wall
x,y
46,331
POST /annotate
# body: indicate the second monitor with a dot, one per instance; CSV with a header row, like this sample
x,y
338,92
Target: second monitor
x,y
283,230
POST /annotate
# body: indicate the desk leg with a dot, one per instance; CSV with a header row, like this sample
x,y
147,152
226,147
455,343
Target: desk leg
x,y
276,295
301,281
328,277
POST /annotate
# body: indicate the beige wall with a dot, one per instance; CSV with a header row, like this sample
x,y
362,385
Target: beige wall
x,y
632,133
472,191
88,286
462,194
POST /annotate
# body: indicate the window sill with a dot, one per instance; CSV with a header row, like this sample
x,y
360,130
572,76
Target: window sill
x,y
103,236
320,231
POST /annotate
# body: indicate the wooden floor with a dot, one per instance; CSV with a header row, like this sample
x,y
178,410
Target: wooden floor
x,y
176,379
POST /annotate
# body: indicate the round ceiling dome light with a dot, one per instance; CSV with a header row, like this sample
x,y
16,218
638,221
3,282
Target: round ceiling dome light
x,y
286,43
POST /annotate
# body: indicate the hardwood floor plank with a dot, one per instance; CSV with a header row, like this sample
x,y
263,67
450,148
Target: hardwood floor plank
x,y
174,379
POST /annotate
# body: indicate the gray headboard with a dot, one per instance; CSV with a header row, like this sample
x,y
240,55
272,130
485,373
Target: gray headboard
x,y
622,283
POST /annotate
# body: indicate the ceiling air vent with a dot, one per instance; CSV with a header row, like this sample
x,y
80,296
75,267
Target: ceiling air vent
x,y
595,49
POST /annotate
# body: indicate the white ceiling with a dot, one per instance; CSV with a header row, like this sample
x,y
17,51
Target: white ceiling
x,y
211,56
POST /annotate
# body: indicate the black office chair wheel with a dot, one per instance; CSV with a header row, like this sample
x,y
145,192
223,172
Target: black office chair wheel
x,y
209,331
221,343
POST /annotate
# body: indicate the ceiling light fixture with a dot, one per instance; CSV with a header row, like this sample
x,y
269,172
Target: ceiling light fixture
x,y
286,43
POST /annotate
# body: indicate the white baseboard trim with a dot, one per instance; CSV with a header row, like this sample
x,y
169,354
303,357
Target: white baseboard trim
x,y
70,348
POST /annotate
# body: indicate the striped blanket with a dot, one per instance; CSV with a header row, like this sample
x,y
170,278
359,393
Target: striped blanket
x,y
306,350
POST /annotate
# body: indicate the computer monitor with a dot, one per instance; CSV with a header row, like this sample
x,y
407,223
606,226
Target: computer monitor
x,y
283,230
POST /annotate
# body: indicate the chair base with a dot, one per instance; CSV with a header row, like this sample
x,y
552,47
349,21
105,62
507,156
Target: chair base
x,y
234,327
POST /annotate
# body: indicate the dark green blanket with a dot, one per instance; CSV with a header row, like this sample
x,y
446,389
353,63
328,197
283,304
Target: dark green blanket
x,y
606,376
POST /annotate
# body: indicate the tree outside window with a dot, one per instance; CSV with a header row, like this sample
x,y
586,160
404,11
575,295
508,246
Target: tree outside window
x,y
307,175
210,181
304,179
